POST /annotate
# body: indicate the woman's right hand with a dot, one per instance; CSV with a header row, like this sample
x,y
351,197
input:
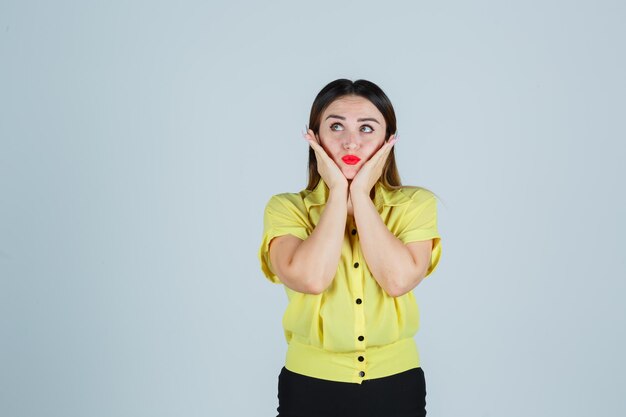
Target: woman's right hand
x,y
327,168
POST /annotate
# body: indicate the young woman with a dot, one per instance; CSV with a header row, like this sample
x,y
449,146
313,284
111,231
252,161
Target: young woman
x,y
349,249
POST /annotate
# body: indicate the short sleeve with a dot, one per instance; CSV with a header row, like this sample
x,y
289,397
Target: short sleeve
x,y
282,217
419,222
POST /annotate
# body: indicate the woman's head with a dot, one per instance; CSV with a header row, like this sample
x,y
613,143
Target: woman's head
x,y
352,118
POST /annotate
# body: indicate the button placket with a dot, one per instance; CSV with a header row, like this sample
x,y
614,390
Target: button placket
x,y
359,325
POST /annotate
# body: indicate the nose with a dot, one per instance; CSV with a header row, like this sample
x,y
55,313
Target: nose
x,y
351,143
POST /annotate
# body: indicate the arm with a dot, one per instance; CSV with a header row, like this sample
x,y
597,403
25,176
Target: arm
x,y
310,265
397,267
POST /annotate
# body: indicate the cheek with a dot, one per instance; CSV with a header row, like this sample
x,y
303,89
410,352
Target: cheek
x,y
332,149
371,150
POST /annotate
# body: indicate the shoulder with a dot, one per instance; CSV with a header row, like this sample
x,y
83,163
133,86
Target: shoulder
x,y
416,194
286,201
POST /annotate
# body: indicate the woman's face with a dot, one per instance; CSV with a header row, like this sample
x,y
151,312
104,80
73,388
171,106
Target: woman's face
x,y
351,125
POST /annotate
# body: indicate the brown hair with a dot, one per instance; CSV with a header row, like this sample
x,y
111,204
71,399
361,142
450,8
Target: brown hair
x,y
341,87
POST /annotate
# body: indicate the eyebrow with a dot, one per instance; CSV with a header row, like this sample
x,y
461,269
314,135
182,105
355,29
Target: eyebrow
x,y
358,120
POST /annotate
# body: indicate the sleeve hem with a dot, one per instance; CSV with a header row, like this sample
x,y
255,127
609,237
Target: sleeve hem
x,y
436,252
264,250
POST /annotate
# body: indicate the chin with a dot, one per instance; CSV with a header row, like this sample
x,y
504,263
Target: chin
x,y
349,174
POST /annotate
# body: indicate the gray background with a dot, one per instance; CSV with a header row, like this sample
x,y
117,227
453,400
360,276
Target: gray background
x,y
140,142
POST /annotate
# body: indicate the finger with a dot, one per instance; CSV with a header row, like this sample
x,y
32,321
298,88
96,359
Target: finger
x,y
316,147
383,150
319,151
383,153
390,143
307,137
314,135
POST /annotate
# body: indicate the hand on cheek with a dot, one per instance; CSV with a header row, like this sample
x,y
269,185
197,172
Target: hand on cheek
x,y
371,170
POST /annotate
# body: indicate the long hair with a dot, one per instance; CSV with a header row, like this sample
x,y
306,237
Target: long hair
x,y
341,87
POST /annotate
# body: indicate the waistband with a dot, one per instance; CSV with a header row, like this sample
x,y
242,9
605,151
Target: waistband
x,y
376,361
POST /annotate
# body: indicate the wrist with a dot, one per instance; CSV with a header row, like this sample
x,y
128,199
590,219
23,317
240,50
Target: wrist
x,y
338,190
358,191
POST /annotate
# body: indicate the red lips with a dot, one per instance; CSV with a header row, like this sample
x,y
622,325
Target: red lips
x,y
350,159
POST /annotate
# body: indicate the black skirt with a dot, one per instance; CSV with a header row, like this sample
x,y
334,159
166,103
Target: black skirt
x,y
399,395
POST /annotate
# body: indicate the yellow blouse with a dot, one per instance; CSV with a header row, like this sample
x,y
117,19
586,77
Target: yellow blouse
x,y
354,330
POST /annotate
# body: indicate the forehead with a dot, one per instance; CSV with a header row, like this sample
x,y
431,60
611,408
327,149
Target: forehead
x,y
353,107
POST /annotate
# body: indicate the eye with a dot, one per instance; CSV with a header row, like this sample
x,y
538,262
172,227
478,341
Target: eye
x,y
364,126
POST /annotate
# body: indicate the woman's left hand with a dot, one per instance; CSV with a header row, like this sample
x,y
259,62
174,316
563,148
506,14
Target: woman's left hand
x,y
371,171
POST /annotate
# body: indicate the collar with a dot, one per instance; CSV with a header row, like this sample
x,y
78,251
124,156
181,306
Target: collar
x,y
383,196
